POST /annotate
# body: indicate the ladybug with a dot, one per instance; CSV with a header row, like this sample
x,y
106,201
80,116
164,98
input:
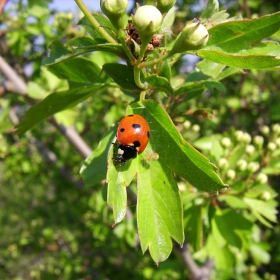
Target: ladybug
x,y
132,137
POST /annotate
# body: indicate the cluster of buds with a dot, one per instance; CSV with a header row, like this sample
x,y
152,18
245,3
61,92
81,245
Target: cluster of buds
x,y
146,22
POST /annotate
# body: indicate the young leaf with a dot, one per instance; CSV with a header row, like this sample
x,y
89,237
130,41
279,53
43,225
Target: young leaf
x,y
55,103
160,83
119,177
159,209
174,151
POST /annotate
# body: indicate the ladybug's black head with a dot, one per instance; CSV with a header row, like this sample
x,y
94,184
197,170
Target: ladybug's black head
x,y
124,153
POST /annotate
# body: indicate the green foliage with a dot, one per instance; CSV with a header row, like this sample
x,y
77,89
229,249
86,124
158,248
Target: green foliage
x,y
52,228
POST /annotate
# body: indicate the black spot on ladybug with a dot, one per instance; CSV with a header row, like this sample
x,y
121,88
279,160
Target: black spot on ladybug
x,y
136,126
122,130
148,134
136,144
130,115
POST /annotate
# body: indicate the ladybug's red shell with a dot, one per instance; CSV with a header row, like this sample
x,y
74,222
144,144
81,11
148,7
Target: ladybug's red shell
x,y
134,131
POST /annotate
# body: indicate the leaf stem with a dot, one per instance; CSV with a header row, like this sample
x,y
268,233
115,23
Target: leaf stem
x,y
125,47
137,78
156,61
94,22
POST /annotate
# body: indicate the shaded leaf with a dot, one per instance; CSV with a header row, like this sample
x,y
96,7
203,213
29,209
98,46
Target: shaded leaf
x,y
122,75
54,103
94,167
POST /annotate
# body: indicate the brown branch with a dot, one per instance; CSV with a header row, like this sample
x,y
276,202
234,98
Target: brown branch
x,y
197,272
2,5
47,154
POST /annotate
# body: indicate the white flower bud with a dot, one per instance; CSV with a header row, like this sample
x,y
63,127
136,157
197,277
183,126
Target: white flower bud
x,y
261,178
225,142
231,174
242,164
253,166
265,130
193,37
147,20
196,128
223,163
271,146
250,149
258,140
276,128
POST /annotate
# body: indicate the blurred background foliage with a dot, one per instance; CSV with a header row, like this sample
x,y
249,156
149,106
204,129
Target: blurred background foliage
x,y
53,227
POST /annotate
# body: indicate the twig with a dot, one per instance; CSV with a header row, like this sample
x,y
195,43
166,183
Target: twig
x,y
2,5
47,154
197,272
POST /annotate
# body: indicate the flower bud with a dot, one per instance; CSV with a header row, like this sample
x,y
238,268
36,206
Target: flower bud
x,y
165,5
250,149
196,128
147,20
187,124
241,165
193,37
246,138
276,128
115,10
239,135
271,146
225,142
265,130
253,166
231,174
261,178
258,140
223,163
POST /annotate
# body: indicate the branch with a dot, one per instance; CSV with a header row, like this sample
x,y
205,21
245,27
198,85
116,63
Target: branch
x,y
197,272
47,154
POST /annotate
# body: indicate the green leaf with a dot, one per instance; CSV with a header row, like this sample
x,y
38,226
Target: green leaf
x,y
231,43
104,23
233,36
122,75
193,226
233,201
118,178
94,167
160,83
174,151
266,209
79,70
54,103
226,224
211,8
224,259
159,210
78,46
261,62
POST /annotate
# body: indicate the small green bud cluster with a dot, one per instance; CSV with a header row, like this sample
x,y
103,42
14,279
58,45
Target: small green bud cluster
x,y
163,5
